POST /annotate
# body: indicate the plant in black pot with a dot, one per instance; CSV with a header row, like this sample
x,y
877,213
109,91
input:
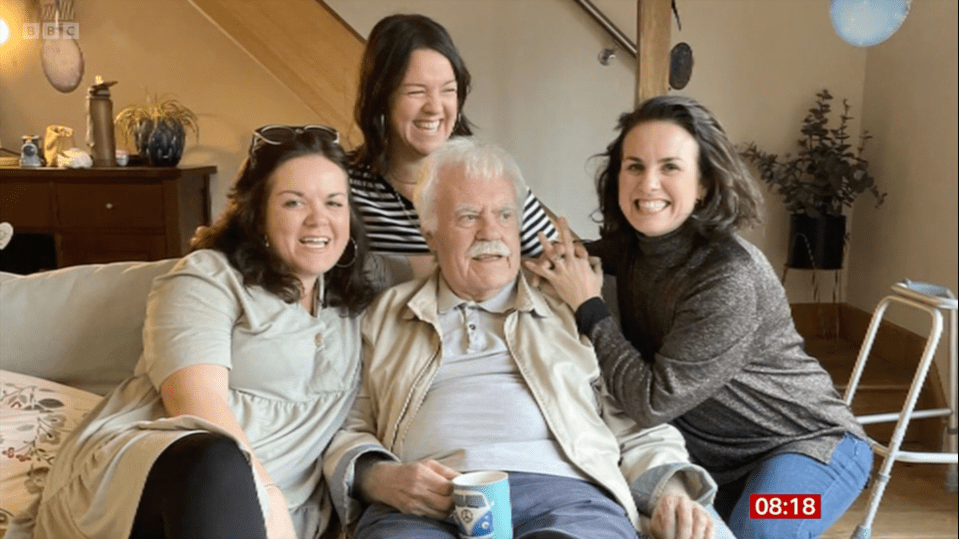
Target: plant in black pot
x,y
826,175
158,129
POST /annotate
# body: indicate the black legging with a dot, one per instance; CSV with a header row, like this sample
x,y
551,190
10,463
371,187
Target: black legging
x,y
201,487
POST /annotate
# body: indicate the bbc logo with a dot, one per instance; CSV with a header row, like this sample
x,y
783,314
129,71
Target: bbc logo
x,y
51,30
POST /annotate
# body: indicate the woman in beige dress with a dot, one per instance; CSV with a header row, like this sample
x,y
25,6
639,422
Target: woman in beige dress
x,y
250,364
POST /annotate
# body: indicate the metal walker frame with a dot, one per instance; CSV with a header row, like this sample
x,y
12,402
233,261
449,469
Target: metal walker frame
x,y
932,299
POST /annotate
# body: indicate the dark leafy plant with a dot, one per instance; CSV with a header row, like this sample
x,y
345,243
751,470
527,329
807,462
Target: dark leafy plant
x,y
825,174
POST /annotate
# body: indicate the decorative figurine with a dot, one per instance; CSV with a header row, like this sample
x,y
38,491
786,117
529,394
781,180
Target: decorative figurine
x,y
30,152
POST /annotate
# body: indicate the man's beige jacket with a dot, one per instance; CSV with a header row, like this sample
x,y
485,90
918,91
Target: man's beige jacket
x,y
402,354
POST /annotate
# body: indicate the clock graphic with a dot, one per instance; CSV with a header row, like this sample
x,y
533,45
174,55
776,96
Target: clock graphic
x,y
793,506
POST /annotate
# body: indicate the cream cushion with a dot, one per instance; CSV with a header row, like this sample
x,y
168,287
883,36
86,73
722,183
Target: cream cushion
x,y
80,326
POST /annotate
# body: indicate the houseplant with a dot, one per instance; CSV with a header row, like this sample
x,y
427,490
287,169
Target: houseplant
x,y
824,176
158,129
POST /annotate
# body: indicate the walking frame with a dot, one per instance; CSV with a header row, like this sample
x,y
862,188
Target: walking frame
x,y
932,299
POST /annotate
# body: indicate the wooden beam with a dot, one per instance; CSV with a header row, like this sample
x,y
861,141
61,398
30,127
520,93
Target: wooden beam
x,y
653,26
304,45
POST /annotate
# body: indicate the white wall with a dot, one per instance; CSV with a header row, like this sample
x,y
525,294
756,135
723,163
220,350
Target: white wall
x,y
540,91
911,109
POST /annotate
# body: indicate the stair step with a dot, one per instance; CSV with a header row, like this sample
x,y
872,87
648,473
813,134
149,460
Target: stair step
x,y
884,399
839,357
882,389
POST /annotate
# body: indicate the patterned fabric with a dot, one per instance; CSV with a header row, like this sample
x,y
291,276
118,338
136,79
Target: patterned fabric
x,y
35,416
394,227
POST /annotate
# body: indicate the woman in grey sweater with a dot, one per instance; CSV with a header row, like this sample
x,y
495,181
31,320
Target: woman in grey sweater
x,y
706,340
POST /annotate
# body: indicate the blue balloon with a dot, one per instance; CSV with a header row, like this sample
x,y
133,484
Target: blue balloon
x,y
864,23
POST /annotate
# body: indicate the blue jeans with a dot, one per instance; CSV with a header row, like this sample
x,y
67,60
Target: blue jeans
x,y
838,484
544,506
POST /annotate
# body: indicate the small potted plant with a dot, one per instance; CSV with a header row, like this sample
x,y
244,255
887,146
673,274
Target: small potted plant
x,y
826,175
158,129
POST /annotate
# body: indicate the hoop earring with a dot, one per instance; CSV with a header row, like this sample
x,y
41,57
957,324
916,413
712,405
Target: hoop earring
x,y
266,241
352,260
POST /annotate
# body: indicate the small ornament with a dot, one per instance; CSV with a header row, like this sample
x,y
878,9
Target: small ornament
x,y
30,152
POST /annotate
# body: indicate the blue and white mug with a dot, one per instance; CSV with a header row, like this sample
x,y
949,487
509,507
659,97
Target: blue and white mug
x,y
482,506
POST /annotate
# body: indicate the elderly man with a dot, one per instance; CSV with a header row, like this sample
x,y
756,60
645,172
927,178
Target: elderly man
x,y
474,369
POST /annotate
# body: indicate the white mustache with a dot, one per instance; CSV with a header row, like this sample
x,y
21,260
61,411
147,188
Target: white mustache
x,y
484,247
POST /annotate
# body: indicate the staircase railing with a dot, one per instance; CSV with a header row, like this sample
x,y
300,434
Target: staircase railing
x,y
621,39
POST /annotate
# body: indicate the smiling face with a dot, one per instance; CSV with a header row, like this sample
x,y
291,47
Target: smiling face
x,y
308,216
659,179
423,108
476,240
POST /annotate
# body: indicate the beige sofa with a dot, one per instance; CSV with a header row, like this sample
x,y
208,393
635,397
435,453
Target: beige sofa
x,y
66,338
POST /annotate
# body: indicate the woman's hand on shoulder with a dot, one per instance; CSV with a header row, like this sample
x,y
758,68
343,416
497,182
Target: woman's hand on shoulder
x,y
567,266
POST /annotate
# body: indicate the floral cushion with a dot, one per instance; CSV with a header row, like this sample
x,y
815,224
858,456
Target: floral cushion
x,y
35,416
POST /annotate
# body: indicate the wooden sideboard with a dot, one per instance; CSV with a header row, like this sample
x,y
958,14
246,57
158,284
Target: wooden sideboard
x,y
100,215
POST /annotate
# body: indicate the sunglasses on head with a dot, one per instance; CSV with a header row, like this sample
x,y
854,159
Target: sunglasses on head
x,y
282,134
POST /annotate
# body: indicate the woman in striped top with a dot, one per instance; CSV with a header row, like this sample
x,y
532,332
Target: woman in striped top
x,y
413,84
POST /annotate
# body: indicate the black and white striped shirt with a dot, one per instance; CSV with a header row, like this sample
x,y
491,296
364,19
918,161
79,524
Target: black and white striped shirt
x,y
393,226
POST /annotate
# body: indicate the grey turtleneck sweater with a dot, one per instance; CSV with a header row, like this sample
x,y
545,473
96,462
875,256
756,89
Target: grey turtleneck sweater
x,y
708,344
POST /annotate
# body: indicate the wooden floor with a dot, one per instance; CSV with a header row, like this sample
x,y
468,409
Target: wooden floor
x,y
916,504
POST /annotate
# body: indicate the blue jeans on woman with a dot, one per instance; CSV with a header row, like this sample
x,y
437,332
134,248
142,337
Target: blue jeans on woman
x,y
838,483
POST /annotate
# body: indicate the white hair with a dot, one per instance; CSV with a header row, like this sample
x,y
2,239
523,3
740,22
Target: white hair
x,y
480,161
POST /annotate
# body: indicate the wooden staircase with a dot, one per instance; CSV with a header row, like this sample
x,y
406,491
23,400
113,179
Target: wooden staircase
x,y
305,45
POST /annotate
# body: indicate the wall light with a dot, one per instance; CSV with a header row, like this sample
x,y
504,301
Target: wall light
x,y
4,31
864,23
